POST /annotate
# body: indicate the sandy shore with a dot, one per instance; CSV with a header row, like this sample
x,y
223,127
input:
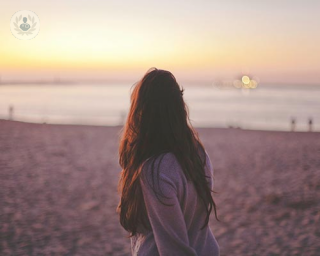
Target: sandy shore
x,y
58,191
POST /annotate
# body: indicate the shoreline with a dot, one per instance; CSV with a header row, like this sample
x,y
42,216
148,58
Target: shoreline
x,y
120,126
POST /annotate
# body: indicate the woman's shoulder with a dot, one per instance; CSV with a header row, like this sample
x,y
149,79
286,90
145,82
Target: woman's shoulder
x,y
164,167
208,161
166,163
210,170
166,157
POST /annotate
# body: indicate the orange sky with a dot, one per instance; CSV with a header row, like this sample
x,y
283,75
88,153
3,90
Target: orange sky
x,y
277,41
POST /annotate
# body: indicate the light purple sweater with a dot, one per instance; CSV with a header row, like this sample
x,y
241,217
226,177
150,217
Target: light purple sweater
x,y
175,229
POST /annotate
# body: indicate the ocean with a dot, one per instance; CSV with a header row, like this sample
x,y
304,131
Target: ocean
x,y
264,108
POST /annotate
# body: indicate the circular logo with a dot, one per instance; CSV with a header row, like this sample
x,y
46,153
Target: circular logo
x,y
25,25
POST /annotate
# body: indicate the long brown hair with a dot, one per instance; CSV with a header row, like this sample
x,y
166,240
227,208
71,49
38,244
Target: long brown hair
x,y
158,122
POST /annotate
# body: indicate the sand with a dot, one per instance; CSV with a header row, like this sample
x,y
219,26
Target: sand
x,y
58,191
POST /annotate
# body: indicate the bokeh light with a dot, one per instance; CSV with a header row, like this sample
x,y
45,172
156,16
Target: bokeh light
x,y
245,80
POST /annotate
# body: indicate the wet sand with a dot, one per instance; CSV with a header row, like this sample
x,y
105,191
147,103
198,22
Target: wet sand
x,y
58,191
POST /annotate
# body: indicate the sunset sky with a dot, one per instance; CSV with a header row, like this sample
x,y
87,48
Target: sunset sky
x,y
275,40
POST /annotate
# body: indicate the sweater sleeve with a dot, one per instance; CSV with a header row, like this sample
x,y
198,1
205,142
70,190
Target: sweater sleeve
x,y
167,221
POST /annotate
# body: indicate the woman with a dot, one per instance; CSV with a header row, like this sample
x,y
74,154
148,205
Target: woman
x,y
167,177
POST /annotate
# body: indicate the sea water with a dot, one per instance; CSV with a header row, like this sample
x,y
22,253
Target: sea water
x,y
264,108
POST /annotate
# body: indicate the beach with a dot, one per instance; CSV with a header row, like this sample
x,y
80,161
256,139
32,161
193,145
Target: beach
x,y
58,190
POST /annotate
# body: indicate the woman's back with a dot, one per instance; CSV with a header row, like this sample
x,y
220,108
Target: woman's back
x,y
175,227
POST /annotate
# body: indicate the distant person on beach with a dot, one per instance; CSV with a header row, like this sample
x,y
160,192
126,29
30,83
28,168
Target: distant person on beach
x,y
11,110
293,124
310,124
166,182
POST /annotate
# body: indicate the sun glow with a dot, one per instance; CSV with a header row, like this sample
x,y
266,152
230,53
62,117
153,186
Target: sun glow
x,y
107,36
